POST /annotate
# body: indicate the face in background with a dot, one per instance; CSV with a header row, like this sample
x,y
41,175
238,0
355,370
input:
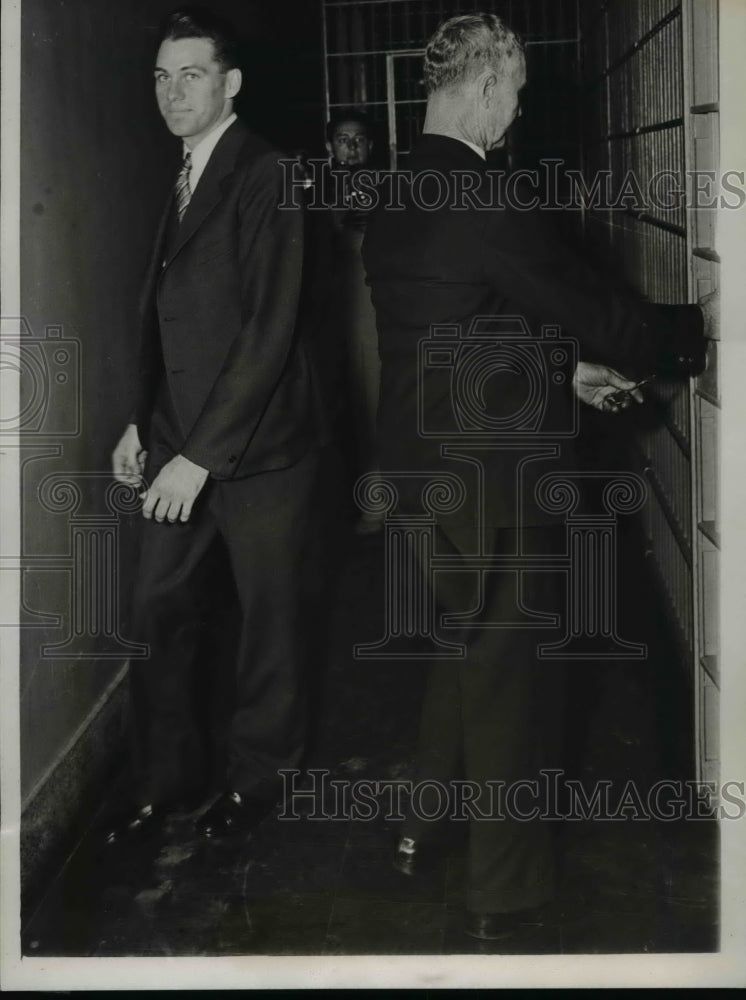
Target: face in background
x,y
350,145
500,101
194,94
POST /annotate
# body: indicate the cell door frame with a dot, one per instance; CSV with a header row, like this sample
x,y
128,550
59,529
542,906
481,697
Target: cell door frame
x,y
391,100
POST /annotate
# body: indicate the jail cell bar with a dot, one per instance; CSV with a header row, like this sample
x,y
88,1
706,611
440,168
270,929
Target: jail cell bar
x,y
650,104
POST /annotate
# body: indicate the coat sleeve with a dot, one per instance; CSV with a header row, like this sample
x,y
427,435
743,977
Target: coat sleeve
x,y
270,264
527,261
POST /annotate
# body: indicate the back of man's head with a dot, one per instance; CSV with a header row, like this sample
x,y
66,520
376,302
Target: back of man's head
x,y
463,46
198,22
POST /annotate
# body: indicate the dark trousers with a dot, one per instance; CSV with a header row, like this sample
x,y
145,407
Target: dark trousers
x,y
496,717
259,525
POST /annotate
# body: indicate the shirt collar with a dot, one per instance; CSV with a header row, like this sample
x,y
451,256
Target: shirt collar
x,y
203,151
477,149
472,145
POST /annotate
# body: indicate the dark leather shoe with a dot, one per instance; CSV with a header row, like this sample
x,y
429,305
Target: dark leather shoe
x,y
496,926
137,820
233,813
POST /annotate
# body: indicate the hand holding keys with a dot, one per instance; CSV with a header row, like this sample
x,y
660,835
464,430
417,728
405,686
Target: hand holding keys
x,y
624,395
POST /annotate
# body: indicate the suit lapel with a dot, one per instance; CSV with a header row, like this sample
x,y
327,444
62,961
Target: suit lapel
x,y
210,188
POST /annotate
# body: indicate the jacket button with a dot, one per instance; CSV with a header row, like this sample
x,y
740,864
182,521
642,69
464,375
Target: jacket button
x,y
232,459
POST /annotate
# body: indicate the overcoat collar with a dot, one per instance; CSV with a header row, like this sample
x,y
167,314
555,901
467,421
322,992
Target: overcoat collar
x,y
434,145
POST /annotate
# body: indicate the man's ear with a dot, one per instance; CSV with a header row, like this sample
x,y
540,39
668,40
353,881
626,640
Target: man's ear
x,y
328,147
233,79
487,87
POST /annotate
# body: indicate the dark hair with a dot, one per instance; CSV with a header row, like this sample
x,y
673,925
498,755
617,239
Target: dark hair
x,y
198,22
340,115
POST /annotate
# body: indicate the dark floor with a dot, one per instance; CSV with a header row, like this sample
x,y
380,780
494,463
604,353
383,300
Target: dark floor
x,y
327,887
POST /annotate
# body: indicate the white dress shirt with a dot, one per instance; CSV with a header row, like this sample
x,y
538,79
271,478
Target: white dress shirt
x,y
203,151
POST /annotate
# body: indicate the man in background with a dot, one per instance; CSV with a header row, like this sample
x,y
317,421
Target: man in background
x,y
348,139
223,440
349,323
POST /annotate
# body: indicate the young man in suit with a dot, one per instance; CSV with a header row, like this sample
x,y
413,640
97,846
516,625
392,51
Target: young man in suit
x,y
224,439
453,253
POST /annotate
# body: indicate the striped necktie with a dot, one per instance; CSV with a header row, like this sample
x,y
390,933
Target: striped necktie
x,y
182,191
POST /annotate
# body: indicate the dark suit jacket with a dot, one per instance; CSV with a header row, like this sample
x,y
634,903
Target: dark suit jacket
x,y
448,266
218,318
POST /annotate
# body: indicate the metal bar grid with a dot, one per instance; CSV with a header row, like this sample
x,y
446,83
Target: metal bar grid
x,y
672,570
701,94
651,257
634,121
670,468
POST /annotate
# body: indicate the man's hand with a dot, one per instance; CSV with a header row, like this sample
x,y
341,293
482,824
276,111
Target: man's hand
x,y
599,386
128,458
174,490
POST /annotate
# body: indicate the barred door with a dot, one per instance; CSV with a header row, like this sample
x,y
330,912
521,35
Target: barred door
x,y
651,119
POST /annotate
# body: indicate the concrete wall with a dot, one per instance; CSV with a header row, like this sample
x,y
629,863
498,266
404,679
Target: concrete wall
x,y
85,217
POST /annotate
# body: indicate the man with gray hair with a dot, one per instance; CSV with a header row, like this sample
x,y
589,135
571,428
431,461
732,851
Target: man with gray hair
x,y
463,47
472,264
